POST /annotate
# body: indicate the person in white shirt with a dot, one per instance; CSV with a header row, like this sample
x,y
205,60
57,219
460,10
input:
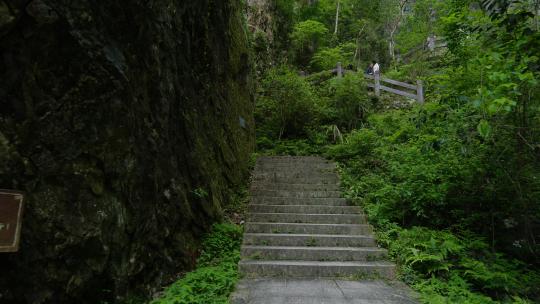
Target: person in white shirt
x,y
376,68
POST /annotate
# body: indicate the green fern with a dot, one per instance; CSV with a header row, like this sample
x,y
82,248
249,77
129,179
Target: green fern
x,y
216,274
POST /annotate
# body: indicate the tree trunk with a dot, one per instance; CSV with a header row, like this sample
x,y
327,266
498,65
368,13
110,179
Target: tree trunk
x,y
337,17
357,51
392,47
395,27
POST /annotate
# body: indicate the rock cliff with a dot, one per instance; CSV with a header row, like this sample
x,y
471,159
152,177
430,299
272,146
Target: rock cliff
x,y
127,123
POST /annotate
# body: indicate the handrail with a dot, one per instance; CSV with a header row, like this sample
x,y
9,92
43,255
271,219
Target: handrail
x,y
418,94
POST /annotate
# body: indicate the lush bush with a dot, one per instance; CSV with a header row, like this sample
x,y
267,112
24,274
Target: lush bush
x,y
493,65
446,268
320,77
453,186
216,274
293,147
430,166
286,106
411,164
289,107
307,33
316,142
347,101
306,38
327,58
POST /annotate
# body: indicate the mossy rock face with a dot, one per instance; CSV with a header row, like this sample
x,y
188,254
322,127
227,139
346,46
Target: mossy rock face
x,y
123,123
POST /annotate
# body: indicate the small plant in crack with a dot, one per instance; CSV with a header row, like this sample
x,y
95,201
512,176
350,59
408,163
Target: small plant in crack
x,y
311,242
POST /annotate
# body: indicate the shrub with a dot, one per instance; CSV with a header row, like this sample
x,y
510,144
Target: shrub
x,y
217,270
287,105
412,164
306,38
429,166
327,58
347,100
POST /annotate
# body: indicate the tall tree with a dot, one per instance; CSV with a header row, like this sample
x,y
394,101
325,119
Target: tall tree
x,y
395,17
338,6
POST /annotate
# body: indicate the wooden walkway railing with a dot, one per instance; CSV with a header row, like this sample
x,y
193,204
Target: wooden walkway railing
x,y
378,85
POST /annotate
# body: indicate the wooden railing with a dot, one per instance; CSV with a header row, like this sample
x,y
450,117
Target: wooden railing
x,y
377,84
377,80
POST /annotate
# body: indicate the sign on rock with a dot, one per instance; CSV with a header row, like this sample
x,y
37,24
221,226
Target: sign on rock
x,y
11,209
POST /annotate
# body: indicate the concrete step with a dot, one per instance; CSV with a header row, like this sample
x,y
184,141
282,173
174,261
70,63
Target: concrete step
x,y
272,200
287,228
254,268
309,240
300,159
300,180
295,166
307,164
292,175
307,218
297,173
294,187
300,194
291,172
308,159
303,253
297,180
308,209
282,290
299,226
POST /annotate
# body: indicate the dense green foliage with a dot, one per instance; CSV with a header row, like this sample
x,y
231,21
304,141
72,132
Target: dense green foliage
x,y
306,38
216,273
326,58
453,186
289,106
422,168
305,28
446,268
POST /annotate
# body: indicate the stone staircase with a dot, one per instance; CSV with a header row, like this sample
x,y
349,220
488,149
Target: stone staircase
x,y
299,226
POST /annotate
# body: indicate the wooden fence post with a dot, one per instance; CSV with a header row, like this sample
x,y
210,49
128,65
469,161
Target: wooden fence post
x,y
420,91
377,84
339,70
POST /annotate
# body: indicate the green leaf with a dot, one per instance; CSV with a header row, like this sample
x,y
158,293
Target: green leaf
x,y
484,129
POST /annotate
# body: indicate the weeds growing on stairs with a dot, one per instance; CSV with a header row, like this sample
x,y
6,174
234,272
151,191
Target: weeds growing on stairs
x,y
217,270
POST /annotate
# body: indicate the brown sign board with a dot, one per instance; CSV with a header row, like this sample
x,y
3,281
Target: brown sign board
x,y
11,210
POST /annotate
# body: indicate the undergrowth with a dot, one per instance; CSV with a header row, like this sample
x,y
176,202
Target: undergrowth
x,y
423,177
453,186
217,270
420,175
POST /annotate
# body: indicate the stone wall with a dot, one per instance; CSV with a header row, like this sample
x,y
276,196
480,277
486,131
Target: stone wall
x,y
127,123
